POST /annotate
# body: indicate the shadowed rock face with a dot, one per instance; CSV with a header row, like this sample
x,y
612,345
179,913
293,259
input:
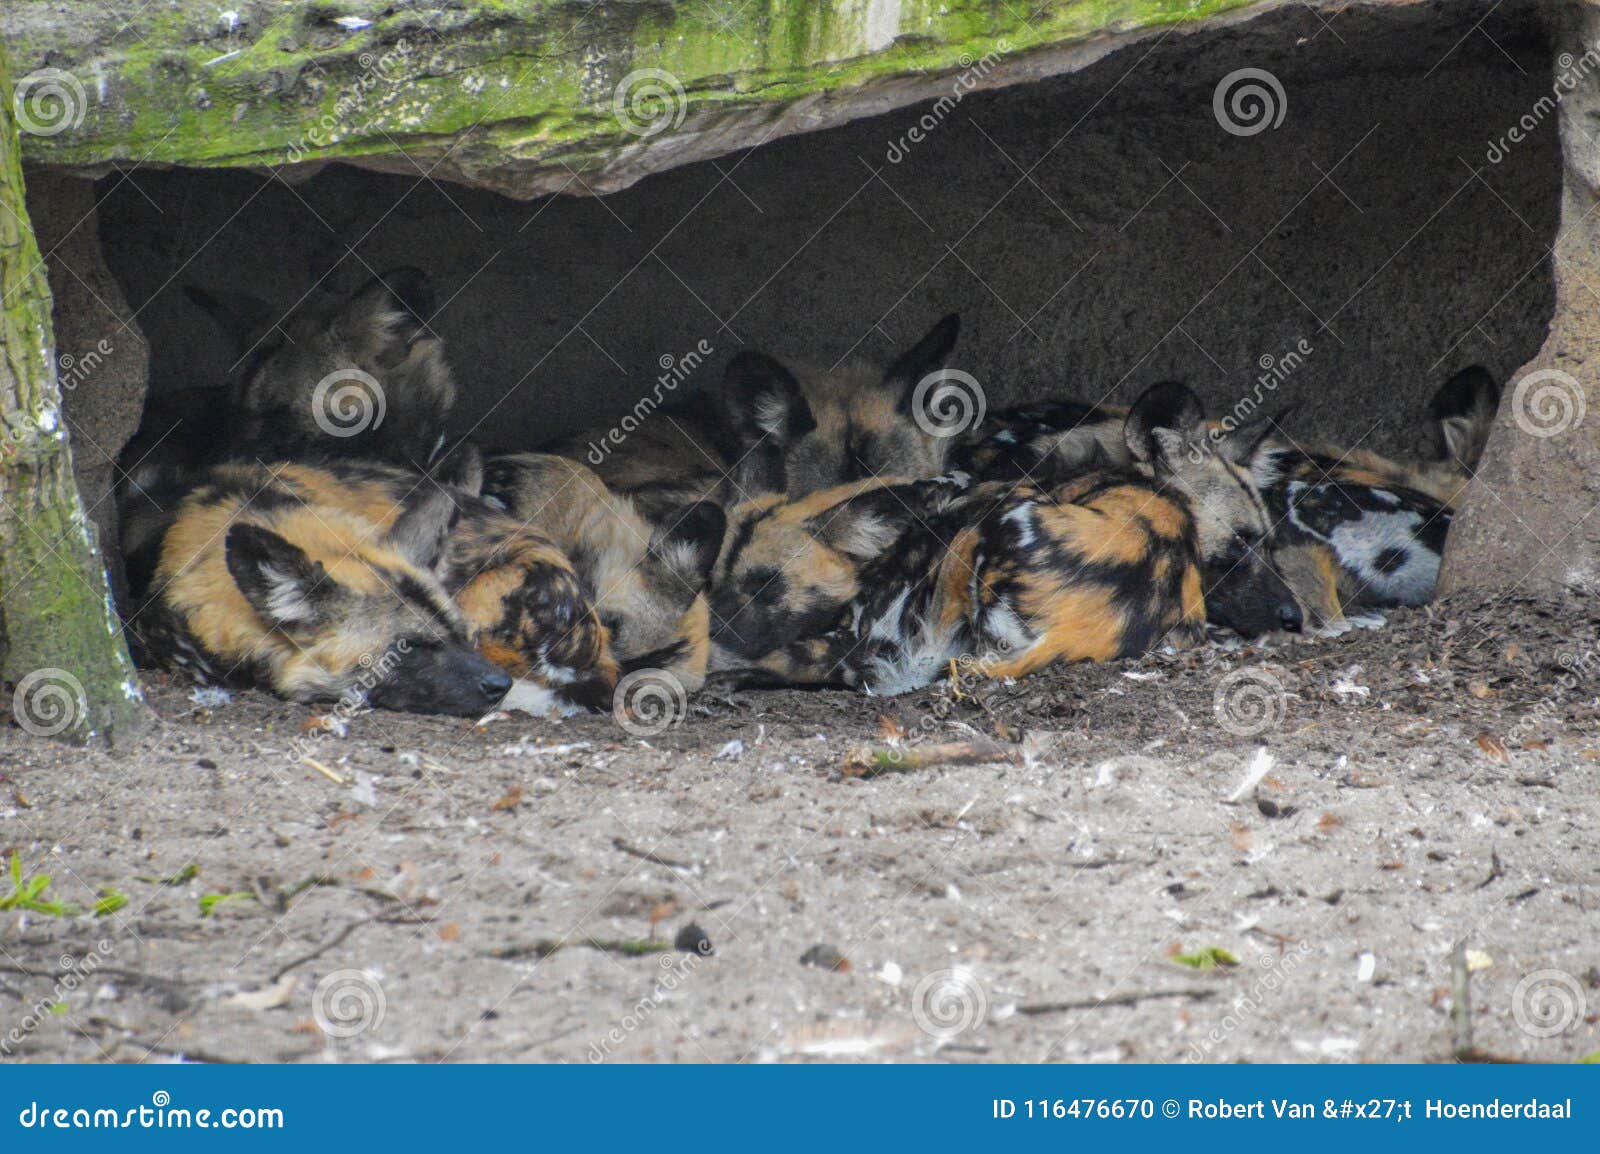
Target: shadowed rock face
x,y
1531,522
1145,242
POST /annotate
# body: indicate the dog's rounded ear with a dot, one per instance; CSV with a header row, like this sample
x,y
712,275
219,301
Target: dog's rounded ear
x,y
1164,418
928,355
419,534
1463,411
286,587
390,312
691,540
1244,444
763,401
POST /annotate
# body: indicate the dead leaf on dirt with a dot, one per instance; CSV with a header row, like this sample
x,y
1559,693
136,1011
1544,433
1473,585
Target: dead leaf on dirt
x,y
450,932
305,1026
1513,651
1493,748
266,998
888,728
1361,779
1480,690
1243,839
20,798
324,723
509,802
1537,745
1329,822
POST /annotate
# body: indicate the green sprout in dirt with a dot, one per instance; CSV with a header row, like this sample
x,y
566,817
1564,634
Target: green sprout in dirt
x,y
187,873
29,895
1206,958
210,902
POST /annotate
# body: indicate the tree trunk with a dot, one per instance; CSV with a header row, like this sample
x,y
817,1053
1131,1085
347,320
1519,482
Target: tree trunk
x,y
1531,522
61,644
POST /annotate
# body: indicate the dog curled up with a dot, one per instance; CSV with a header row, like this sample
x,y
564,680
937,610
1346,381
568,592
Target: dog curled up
x,y
880,584
1356,531
302,579
1350,529
647,581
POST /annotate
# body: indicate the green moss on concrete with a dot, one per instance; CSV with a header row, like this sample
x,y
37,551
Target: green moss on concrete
x,y
60,642
511,82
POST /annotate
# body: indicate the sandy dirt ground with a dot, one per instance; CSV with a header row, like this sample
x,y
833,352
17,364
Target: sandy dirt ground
x,y
515,892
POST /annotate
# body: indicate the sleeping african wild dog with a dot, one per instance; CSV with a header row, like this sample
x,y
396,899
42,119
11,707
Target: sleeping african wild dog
x,y
306,579
362,378
1349,528
647,583
1355,530
777,428
881,584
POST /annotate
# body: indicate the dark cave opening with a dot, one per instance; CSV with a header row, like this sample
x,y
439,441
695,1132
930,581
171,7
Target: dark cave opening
x,y
1096,231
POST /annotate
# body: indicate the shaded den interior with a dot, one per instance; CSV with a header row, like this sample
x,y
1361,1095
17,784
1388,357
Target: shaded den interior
x,y
1096,231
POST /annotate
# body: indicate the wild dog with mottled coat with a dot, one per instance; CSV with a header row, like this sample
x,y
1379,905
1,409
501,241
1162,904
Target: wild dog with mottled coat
x,y
363,377
778,428
302,579
881,584
647,582
1357,530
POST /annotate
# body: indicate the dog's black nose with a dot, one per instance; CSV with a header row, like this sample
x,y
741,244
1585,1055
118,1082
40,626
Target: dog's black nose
x,y
495,685
1290,618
